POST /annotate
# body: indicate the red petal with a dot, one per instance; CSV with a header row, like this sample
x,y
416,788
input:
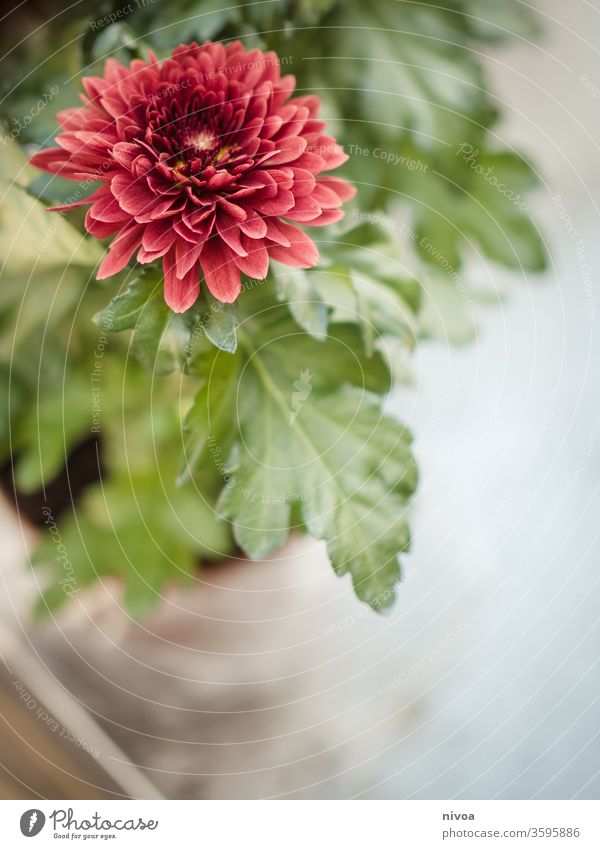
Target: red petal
x,y
186,256
305,209
100,229
302,252
304,182
232,209
220,271
106,208
120,252
328,216
279,205
134,196
254,226
66,207
158,236
229,231
288,150
343,189
325,197
256,263
275,232
180,293
54,160
126,153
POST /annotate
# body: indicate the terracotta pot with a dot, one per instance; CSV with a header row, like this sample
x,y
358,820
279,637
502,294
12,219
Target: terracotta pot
x,y
263,679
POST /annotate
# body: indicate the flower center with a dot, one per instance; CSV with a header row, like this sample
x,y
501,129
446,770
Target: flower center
x,y
200,140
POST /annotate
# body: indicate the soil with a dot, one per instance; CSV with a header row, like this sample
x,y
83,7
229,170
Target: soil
x,y
83,467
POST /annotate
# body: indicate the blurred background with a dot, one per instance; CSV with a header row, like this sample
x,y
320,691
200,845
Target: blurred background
x,y
270,679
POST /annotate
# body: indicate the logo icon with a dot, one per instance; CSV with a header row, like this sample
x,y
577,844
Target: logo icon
x,y
32,822
302,389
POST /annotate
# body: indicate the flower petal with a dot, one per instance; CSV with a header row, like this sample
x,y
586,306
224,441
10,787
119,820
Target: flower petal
x,y
120,252
220,271
180,292
256,262
302,252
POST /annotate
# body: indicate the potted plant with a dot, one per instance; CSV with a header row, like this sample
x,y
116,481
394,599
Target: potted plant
x,y
213,308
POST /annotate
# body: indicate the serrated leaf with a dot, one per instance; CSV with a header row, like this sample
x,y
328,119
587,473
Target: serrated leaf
x,y
210,424
219,324
479,204
137,527
408,72
340,462
287,350
160,337
364,282
295,286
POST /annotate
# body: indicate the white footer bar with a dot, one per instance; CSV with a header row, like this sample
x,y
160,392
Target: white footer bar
x,y
303,824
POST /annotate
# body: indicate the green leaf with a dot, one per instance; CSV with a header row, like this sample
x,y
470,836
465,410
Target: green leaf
x,y
479,205
160,339
210,425
408,72
51,428
219,324
304,301
31,238
339,461
493,21
287,350
137,527
448,308
364,281
275,422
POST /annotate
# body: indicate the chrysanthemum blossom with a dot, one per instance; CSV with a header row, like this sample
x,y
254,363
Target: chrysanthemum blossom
x,y
204,161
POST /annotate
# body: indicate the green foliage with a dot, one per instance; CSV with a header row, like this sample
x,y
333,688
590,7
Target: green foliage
x,y
139,526
303,443
160,337
236,423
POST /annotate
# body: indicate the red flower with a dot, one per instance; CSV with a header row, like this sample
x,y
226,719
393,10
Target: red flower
x,y
201,158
